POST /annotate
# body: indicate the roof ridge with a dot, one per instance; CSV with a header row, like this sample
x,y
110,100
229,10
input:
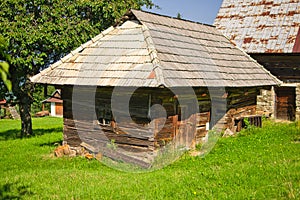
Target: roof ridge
x,y
153,56
172,65
161,15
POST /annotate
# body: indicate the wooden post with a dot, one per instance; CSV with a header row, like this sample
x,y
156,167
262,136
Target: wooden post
x,y
45,91
149,106
175,125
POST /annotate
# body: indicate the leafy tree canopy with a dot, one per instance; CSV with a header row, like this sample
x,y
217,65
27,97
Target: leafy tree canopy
x,y
39,32
4,68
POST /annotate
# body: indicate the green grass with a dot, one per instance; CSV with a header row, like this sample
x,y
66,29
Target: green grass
x,y
258,164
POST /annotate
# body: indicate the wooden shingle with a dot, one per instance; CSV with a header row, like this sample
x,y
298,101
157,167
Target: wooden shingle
x,y
152,50
261,26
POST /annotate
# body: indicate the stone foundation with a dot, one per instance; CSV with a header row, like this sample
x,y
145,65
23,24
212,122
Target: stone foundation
x,y
266,102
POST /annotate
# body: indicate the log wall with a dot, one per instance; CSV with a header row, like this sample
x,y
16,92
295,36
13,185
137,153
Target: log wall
x,y
70,133
241,102
146,131
284,66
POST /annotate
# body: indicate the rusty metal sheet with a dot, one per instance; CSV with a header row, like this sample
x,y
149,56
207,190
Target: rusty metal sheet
x,y
261,26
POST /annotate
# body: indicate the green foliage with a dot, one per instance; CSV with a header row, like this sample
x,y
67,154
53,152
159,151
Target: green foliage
x,y
112,144
263,164
4,69
248,124
40,32
38,97
179,16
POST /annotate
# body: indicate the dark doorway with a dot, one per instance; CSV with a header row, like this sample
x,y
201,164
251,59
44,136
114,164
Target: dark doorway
x,y
286,103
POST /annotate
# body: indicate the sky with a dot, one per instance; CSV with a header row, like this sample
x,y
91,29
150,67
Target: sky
x,y
203,11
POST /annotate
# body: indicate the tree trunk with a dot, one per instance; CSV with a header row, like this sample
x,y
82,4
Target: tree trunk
x,y
24,99
24,104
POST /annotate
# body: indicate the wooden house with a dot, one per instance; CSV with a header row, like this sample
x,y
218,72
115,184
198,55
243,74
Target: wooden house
x,y
56,104
269,32
2,102
152,62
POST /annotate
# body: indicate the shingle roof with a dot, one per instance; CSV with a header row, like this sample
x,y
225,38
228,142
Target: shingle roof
x,y
261,26
54,98
149,50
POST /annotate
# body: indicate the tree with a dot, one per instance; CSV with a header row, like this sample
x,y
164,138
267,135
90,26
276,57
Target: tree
x,y
178,16
39,95
39,32
4,68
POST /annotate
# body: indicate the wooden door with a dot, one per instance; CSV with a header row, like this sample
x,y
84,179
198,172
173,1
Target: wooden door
x,y
59,109
186,132
286,103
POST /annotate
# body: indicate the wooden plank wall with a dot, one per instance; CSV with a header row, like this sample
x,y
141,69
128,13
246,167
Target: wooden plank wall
x,y
138,110
286,103
202,121
139,136
70,133
241,103
119,133
59,109
286,66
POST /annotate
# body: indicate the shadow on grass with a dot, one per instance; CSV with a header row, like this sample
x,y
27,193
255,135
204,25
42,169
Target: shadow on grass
x,y
14,191
15,133
52,144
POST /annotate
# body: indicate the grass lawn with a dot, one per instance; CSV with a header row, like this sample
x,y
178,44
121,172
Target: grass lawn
x,y
257,164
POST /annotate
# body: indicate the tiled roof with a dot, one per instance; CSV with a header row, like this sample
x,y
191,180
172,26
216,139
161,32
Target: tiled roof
x,y
2,101
149,50
261,26
54,98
